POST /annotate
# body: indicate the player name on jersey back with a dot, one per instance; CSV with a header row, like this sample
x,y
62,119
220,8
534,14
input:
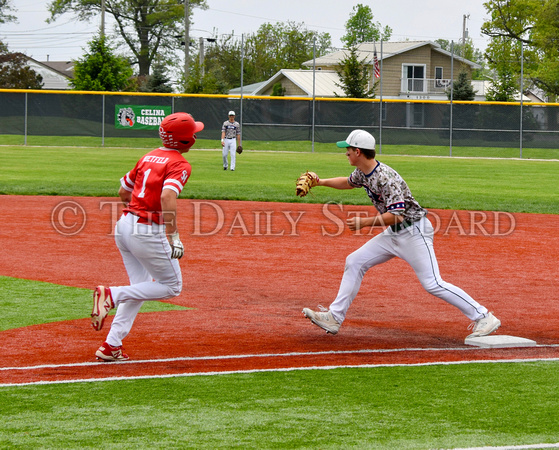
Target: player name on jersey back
x,y
155,159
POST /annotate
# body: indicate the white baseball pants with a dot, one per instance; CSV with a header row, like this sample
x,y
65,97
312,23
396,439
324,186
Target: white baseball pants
x,y
415,246
153,274
230,146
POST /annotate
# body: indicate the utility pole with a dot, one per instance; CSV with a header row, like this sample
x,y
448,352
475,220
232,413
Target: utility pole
x,y
186,38
102,18
201,54
464,29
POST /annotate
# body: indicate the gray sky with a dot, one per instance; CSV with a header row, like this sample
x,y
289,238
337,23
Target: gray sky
x,y
66,38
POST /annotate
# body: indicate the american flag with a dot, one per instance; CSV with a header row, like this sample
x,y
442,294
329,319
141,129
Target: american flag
x,y
376,67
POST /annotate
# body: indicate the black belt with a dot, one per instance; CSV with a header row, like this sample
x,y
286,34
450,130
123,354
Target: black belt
x,y
400,226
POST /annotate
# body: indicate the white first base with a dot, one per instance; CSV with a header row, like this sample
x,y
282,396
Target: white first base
x,y
499,341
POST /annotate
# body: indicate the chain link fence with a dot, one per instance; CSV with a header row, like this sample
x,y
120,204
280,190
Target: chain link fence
x,y
392,122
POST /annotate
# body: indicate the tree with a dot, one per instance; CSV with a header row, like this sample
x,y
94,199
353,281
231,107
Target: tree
x,y
361,28
504,84
15,73
157,81
206,83
222,68
535,24
148,27
270,49
355,76
5,6
278,90
468,51
502,89
101,69
283,46
462,88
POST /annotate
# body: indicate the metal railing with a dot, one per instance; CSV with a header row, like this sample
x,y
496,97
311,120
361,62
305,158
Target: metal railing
x,y
424,85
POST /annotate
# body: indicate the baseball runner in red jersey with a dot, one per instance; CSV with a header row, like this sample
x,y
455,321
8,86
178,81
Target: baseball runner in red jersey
x,y
409,236
146,234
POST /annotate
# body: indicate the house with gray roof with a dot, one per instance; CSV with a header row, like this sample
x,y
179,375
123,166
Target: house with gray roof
x,y
409,70
303,82
56,74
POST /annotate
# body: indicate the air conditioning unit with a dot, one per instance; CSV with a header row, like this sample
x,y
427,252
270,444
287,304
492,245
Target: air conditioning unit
x,y
440,83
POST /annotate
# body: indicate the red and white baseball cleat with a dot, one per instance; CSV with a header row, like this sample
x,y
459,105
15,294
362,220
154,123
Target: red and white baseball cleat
x,y
102,304
109,353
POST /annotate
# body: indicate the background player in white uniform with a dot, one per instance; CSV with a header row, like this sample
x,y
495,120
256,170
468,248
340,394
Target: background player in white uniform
x,y
409,236
230,140
147,234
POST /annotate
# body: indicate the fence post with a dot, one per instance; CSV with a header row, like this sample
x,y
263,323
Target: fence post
x,y
521,92
380,102
451,92
313,91
25,122
103,121
242,83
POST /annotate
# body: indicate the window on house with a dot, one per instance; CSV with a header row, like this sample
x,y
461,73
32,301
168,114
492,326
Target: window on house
x,y
439,81
414,78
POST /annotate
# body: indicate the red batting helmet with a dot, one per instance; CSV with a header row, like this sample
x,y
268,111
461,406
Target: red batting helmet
x,y
179,130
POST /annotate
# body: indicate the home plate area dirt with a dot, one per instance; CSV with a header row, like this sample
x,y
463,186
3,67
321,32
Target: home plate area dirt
x,y
251,267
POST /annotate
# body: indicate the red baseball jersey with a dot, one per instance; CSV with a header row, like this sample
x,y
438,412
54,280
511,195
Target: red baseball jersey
x,y
162,168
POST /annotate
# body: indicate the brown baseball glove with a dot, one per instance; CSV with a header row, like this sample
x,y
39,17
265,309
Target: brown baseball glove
x,y
240,149
305,182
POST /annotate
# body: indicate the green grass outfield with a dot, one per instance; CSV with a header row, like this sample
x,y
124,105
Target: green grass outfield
x,y
437,182
439,406
291,146
410,407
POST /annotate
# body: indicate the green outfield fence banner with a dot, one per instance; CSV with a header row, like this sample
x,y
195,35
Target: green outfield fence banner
x,y
391,121
140,117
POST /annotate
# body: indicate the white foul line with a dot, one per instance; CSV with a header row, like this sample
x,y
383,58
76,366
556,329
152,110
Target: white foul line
x,y
284,369
260,355
512,447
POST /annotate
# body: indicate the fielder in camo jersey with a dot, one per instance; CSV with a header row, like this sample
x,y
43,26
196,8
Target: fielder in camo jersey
x,y
409,236
230,140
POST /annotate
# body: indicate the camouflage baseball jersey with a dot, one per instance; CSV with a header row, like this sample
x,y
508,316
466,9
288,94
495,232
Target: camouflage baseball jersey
x,y
232,129
388,192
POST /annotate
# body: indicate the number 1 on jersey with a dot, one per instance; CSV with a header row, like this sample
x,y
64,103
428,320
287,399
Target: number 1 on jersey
x,y
142,193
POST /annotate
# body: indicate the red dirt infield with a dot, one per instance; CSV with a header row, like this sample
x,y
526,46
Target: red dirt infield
x,y
250,268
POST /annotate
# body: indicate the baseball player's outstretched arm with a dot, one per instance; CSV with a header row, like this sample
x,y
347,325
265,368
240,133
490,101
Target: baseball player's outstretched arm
x,y
336,183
